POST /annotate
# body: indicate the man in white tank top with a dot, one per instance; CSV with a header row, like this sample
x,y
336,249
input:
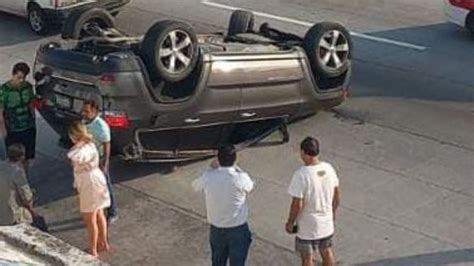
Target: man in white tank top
x,y
315,192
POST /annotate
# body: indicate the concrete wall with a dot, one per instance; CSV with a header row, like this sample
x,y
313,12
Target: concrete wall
x,y
33,246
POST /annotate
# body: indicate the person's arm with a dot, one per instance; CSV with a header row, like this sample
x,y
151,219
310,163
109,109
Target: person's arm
x,y
2,96
336,201
199,183
105,138
295,209
296,190
31,98
3,122
106,158
246,183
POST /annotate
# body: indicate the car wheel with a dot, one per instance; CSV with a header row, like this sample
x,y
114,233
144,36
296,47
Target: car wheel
x,y
329,49
82,23
37,20
470,22
170,50
241,21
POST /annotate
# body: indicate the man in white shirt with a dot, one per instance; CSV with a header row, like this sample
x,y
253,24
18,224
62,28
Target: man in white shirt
x,y
315,192
226,188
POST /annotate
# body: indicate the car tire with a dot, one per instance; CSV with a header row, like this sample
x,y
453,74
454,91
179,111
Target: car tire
x,y
241,21
470,22
79,19
37,20
329,49
169,60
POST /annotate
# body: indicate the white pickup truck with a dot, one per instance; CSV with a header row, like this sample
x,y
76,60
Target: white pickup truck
x,y
44,15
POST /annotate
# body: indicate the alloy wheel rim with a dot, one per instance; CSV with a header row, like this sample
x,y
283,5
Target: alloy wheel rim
x,y
176,51
333,50
35,21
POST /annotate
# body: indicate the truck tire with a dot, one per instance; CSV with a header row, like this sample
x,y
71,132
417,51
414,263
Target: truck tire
x,y
37,20
241,21
170,50
78,21
329,49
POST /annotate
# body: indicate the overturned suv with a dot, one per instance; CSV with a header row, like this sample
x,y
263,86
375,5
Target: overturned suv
x,y
174,95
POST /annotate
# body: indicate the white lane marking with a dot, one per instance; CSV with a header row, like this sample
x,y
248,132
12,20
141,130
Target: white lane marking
x,y
309,24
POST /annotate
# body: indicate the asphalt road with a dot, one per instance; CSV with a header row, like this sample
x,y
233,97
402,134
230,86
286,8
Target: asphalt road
x,y
402,145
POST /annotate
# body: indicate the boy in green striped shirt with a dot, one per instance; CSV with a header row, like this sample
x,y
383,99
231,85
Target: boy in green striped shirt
x,y
16,99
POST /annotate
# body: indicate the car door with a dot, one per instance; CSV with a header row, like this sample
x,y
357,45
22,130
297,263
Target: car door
x,y
271,88
200,122
206,124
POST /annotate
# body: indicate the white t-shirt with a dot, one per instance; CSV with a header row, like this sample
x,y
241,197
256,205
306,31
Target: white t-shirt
x,y
225,190
315,184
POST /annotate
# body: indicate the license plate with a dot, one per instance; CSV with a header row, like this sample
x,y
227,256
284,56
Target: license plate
x,y
63,101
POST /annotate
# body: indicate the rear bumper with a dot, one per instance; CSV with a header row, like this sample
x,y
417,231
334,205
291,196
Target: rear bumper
x,y
455,14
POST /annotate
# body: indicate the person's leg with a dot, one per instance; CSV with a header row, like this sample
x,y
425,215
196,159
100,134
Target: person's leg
x,y
239,244
10,139
112,210
326,251
305,248
219,247
307,260
328,257
90,219
103,242
29,141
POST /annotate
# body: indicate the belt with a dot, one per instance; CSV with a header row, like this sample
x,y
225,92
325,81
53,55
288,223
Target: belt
x,y
229,228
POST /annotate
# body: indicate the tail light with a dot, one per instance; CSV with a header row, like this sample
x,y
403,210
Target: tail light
x,y
37,103
116,119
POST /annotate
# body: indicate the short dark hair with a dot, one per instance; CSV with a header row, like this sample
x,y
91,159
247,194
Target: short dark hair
x,y
227,155
310,146
21,67
92,103
16,152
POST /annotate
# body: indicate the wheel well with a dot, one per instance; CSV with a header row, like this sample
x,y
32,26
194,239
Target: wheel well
x,y
32,4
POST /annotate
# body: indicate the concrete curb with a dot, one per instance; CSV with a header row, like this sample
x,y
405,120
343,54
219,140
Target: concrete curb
x,y
46,246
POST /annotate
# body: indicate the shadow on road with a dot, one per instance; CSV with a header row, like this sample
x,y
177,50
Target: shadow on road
x,y
437,258
52,179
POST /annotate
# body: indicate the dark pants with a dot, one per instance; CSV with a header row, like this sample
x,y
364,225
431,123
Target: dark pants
x,y
112,210
27,138
230,244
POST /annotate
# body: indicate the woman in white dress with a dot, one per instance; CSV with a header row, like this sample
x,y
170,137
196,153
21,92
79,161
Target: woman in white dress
x,y
91,185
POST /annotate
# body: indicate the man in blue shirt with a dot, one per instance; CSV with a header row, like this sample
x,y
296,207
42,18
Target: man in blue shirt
x,y
101,133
